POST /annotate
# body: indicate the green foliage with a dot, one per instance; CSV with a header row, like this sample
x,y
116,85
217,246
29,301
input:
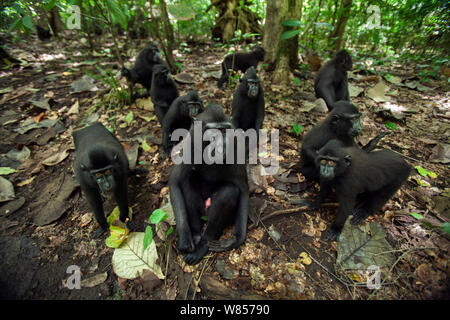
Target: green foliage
x,y
181,11
416,215
118,95
156,217
446,227
391,126
289,34
116,13
148,236
292,23
425,173
297,129
385,27
233,79
239,37
192,20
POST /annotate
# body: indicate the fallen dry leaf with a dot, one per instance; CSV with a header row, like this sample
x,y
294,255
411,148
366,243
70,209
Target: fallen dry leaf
x,y
94,280
56,158
25,182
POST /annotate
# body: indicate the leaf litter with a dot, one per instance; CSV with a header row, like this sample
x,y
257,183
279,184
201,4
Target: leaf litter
x,y
297,265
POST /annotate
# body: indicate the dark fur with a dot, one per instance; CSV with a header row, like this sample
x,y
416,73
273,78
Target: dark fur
x,y
142,71
180,116
43,34
164,90
334,126
248,110
370,179
242,61
331,81
95,148
227,186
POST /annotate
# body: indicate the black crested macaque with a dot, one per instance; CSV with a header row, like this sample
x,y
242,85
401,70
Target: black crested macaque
x,y
101,166
164,90
366,179
240,61
331,82
142,71
248,102
342,123
226,185
43,34
180,115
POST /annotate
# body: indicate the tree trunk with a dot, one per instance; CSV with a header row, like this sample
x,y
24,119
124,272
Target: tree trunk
x,y
168,34
272,32
55,21
288,49
294,13
337,35
231,17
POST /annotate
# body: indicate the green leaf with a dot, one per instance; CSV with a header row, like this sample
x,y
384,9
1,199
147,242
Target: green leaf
x,y
116,13
4,171
15,25
446,227
27,22
296,81
117,234
263,154
422,183
110,129
292,23
145,145
114,215
129,118
182,12
169,231
289,34
148,237
297,128
204,218
416,215
391,126
49,5
423,172
158,216
148,119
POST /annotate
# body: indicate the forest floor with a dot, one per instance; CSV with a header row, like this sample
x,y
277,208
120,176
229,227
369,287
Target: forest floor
x,y
48,226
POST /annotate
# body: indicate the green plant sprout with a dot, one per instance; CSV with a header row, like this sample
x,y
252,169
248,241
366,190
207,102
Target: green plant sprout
x,y
156,217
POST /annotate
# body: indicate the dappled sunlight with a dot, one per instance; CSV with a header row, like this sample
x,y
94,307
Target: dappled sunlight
x,y
51,57
116,65
395,108
6,74
443,103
